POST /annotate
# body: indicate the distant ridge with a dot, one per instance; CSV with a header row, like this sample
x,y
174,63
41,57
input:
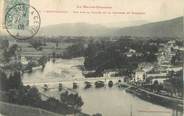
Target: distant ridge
x,y
168,28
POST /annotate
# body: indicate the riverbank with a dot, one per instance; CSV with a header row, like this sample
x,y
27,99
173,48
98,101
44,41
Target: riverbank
x,y
165,101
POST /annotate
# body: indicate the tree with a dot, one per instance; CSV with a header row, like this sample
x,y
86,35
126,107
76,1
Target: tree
x,y
173,60
33,96
8,53
97,114
42,61
170,74
3,81
14,81
177,82
37,45
5,44
156,86
72,100
110,83
12,50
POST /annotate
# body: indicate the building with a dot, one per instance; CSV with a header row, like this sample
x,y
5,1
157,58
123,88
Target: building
x,y
130,53
139,75
110,73
24,61
146,67
156,75
175,69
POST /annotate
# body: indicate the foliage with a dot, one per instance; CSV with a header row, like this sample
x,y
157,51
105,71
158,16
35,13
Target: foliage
x,y
16,93
5,44
14,81
177,81
9,52
97,114
103,55
3,81
71,100
75,50
37,45
110,83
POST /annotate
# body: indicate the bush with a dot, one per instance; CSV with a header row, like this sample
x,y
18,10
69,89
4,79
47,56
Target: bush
x,y
72,100
110,84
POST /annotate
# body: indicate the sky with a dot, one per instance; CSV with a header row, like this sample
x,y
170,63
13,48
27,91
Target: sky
x,y
62,11
152,11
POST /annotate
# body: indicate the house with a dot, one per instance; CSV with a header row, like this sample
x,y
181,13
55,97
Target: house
x,y
146,67
24,61
175,69
110,72
139,54
130,53
156,75
171,43
139,75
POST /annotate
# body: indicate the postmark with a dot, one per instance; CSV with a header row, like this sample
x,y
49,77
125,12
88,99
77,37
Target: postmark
x,y
22,21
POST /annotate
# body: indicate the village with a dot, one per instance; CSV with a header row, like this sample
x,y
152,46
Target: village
x,y
160,80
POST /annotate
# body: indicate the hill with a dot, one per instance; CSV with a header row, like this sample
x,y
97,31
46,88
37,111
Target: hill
x,y
169,28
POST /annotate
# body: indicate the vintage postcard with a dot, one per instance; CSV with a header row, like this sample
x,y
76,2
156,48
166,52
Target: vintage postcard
x,y
91,57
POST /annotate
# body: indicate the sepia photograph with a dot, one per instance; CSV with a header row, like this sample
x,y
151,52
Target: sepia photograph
x,y
91,58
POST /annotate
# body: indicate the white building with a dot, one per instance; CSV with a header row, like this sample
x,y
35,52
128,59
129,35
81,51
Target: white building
x,y
24,61
146,67
175,69
130,53
139,75
110,73
156,75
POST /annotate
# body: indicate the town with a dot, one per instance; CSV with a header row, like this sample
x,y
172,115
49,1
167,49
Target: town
x,y
151,69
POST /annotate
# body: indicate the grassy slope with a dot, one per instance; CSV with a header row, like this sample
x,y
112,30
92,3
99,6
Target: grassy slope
x,y
18,110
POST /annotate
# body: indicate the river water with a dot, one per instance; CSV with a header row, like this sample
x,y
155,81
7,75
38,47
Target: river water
x,y
107,101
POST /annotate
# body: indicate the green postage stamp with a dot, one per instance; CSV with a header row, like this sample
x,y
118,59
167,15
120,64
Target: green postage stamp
x,y
21,20
8,4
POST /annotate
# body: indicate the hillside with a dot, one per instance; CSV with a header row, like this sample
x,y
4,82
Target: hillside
x,y
8,109
168,28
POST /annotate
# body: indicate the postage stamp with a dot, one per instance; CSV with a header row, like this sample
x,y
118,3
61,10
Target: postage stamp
x,y
7,4
22,21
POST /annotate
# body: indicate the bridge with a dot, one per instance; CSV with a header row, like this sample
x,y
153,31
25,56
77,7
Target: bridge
x,y
78,81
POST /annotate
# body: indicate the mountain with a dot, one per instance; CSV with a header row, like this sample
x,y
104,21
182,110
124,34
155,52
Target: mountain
x,y
168,28
127,23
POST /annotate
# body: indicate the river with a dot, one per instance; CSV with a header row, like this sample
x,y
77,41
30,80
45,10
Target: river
x,y
107,101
